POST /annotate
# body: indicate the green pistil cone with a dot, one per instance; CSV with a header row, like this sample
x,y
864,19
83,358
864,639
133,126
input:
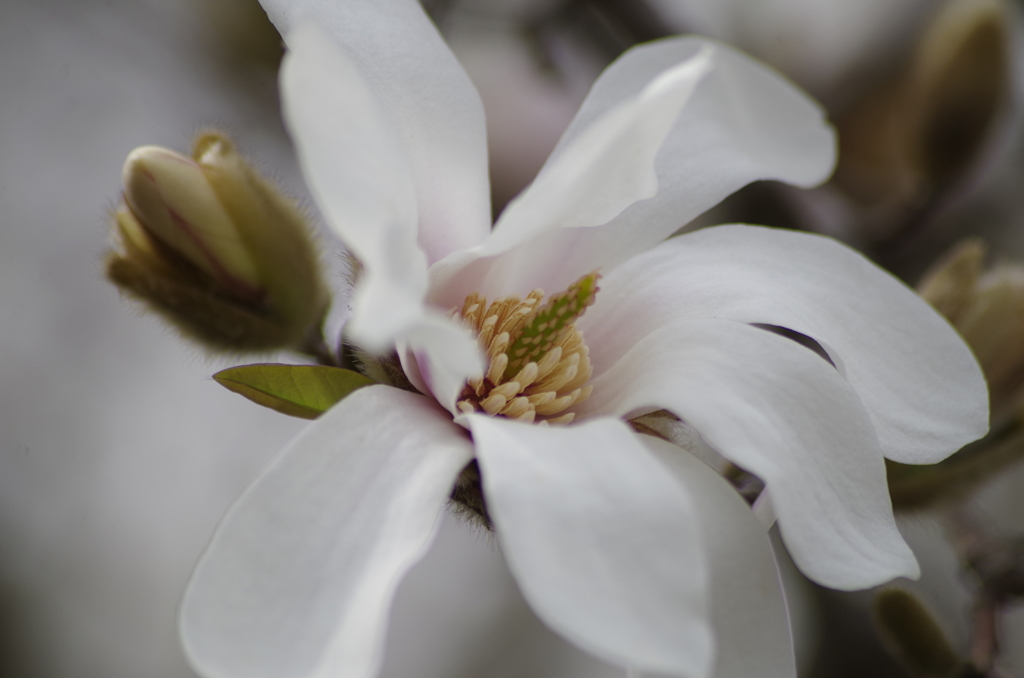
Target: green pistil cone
x,y
548,324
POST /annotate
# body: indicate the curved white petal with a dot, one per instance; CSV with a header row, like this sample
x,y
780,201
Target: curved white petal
x,y
359,174
742,123
601,540
607,167
748,610
915,376
426,96
300,575
778,410
439,356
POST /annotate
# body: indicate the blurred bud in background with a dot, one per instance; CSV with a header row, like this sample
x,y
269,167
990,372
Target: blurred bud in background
x,y
987,308
986,305
909,144
216,249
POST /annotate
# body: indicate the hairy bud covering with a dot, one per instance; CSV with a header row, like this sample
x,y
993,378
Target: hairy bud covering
x,y
217,250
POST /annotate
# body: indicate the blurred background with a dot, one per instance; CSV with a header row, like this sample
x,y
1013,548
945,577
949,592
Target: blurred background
x,y
119,453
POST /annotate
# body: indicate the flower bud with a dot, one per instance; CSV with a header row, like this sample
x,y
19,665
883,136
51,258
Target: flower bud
x,y
950,283
216,249
961,83
993,326
171,198
923,132
987,308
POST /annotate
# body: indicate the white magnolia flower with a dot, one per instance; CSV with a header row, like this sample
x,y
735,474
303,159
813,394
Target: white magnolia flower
x,y
625,544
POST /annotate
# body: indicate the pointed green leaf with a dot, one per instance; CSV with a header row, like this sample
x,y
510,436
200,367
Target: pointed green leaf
x,y
304,391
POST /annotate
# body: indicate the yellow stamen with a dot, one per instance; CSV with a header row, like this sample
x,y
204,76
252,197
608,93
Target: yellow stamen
x,y
493,403
508,390
564,419
538,364
497,368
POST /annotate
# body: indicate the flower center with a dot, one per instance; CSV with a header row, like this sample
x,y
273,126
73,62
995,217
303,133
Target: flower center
x,y
537,363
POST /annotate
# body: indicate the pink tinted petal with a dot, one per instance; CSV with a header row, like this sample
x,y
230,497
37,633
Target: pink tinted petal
x,y
300,575
912,372
778,410
426,96
439,356
601,540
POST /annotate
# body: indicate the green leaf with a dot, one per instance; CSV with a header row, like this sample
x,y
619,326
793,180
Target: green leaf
x,y
304,391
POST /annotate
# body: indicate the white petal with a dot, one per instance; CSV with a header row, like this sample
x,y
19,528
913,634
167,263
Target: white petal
x,y
778,410
743,122
607,167
601,540
300,575
439,356
426,96
359,174
748,610
915,376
